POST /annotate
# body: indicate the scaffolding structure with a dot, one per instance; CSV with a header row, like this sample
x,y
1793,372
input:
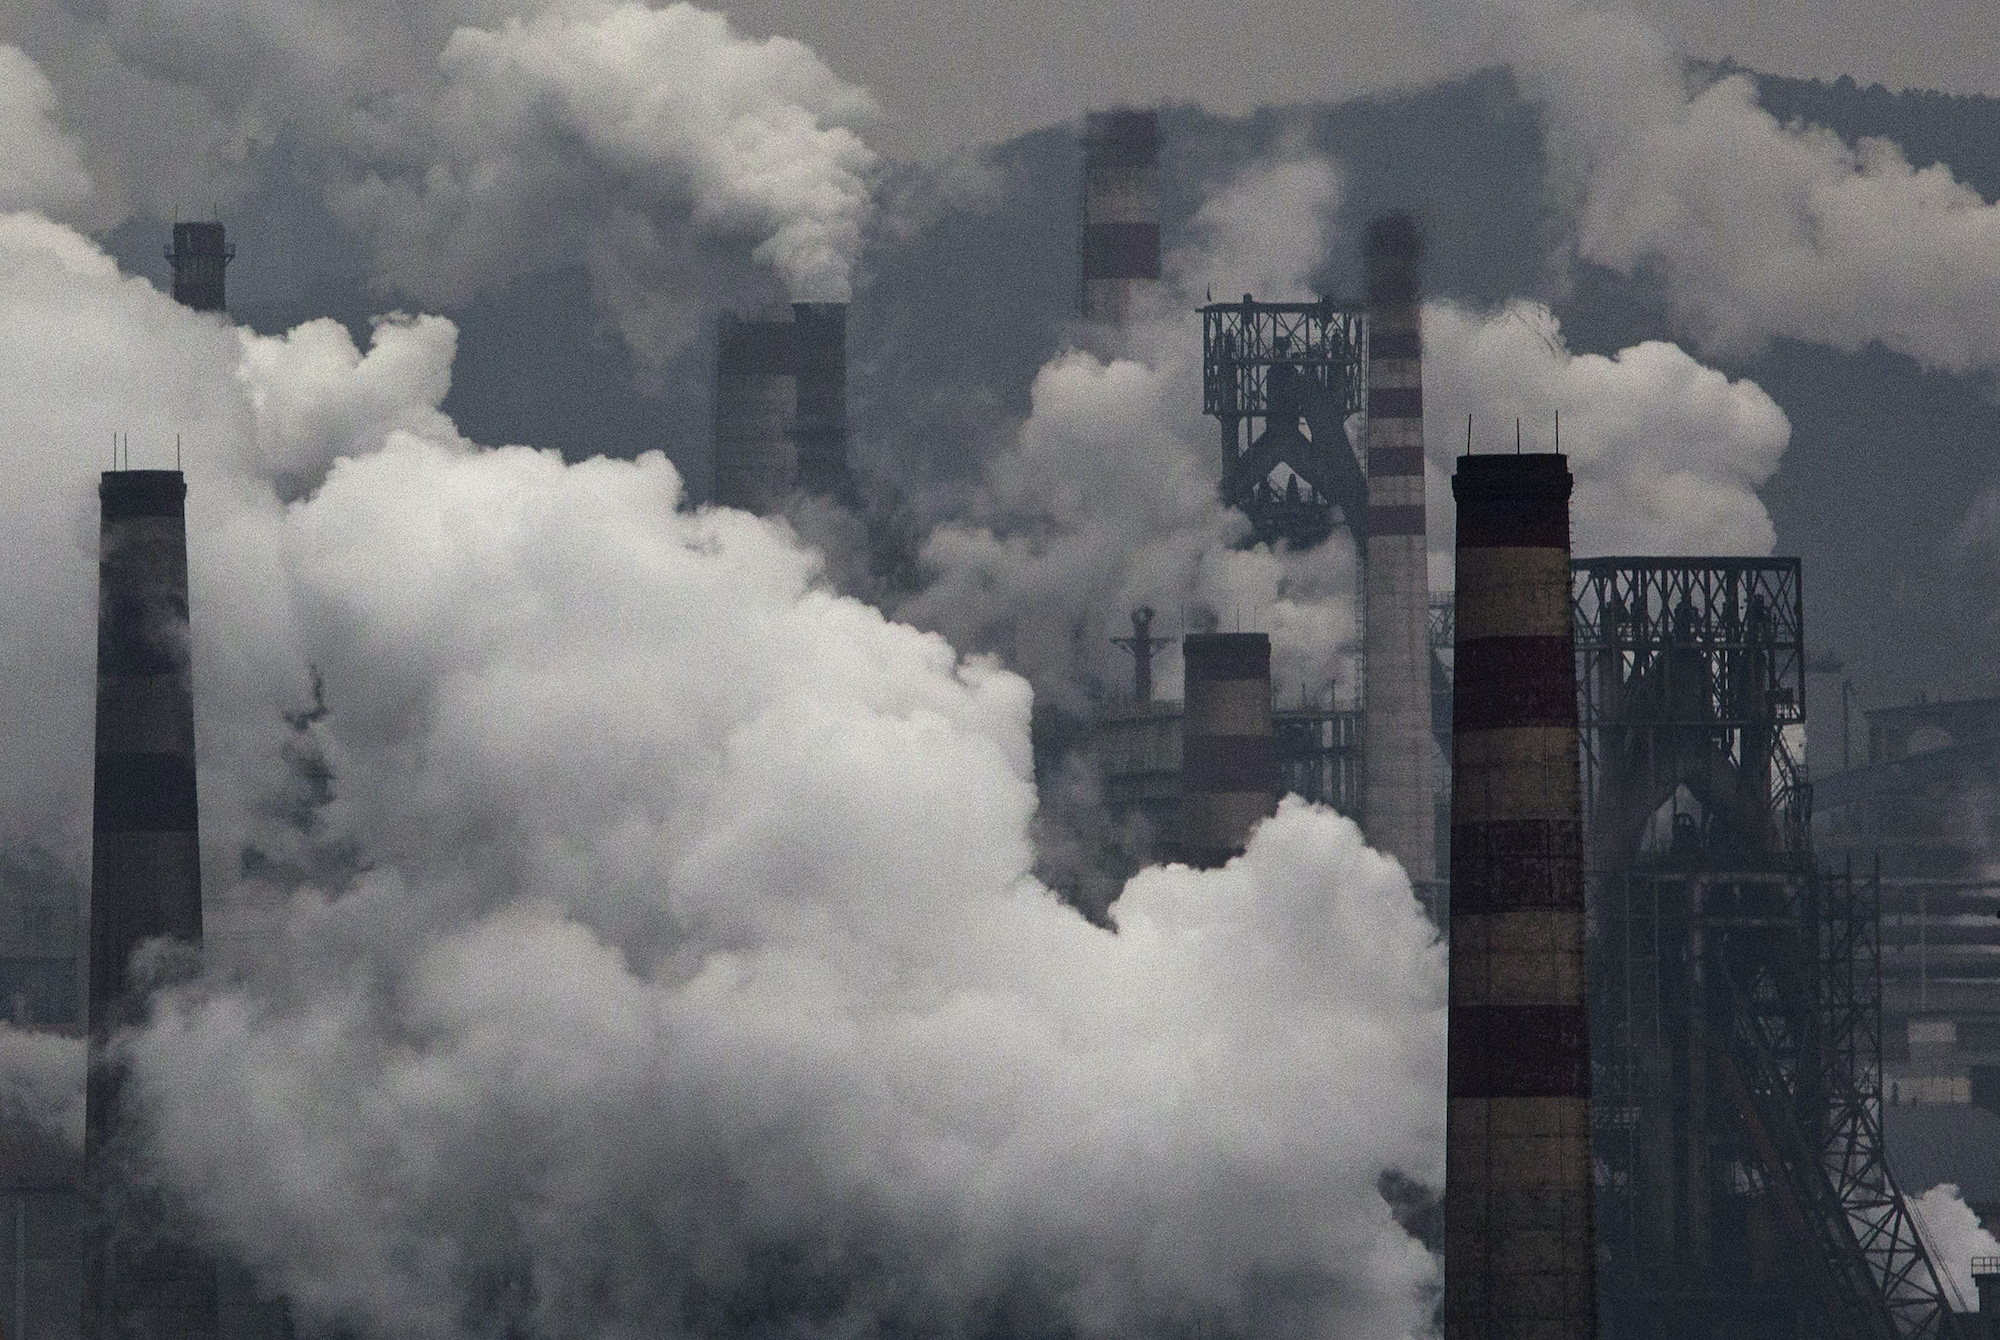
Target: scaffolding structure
x,y
1736,1021
1319,755
1281,378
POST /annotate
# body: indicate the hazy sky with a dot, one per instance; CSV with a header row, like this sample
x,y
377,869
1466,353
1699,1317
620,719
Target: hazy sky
x,y
966,71
671,955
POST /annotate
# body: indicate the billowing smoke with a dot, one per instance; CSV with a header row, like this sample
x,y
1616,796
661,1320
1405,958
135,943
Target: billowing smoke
x,y
1668,454
683,971
41,1082
1953,1236
1267,233
472,144
1106,503
40,166
1106,499
1756,230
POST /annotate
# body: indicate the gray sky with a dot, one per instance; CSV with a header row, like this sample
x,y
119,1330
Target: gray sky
x,y
956,72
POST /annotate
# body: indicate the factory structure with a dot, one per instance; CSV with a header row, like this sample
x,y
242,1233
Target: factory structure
x,y
781,407
141,1277
1694,1028
87,1248
1520,1249
1703,1006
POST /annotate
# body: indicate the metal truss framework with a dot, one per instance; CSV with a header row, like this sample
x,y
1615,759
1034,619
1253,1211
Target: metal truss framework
x,y
1743,1189
1319,755
1690,671
1282,377
1851,1146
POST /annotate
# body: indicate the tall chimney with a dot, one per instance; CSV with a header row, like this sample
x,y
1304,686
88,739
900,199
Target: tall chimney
x,y
1229,768
1520,1250
145,885
1121,211
1397,795
819,346
200,254
756,413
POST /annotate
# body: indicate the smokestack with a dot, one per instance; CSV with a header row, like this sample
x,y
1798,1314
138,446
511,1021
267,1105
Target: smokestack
x,y
199,255
781,408
756,413
1520,1250
819,346
1121,211
145,884
1229,768
1397,796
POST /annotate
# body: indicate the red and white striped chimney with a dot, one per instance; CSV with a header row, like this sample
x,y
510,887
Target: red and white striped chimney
x,y
1121,211
1397,796
1520,1256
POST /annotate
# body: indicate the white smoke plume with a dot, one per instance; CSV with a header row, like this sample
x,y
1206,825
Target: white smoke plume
x,y
41,1084
471,144
1953,1236
1106,499
1756,230
41,167
689,973
1668,454
1265,233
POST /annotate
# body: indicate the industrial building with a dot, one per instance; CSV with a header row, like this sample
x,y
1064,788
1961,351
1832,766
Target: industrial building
x,y
1703,1009
1745,1185
41,1214
1281,379
1714,1106
1925,797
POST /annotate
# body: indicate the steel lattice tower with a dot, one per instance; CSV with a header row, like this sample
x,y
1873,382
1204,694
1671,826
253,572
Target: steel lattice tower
x,y
1742,1186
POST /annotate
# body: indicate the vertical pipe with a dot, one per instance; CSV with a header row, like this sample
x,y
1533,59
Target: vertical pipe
x,y
200,255
1121,212
756,405
1229,768
1142,654
1397,796
20,1265
1520,1256
1697,1157
819,335
145,885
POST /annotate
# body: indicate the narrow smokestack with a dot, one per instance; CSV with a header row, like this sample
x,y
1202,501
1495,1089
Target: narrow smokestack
x,y
145,885
200,255
1397,795
1520,1250
1229,768
819,345
756,412
1121,211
